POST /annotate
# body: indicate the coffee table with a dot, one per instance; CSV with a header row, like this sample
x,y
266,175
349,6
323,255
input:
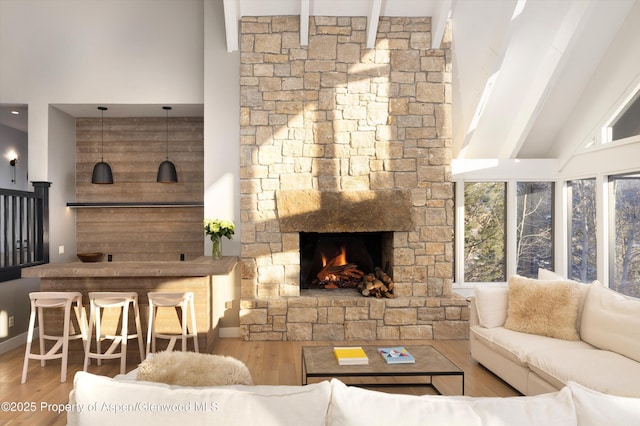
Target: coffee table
x,y
319,361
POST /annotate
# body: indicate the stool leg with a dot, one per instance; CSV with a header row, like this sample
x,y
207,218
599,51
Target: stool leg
x,y
87,347
32,323
98,334
150,327
136,311
194,329
65,342
123,333
82,321
184,325
41,335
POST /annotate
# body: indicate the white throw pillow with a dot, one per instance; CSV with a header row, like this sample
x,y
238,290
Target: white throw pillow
x,y
598,409
491,305
611,321
547,275
352,406
106,401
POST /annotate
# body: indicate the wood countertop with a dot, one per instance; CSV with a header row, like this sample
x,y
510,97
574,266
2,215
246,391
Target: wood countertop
x,y
202,266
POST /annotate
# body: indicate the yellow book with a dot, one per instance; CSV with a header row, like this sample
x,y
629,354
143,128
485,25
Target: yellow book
x,y
353,355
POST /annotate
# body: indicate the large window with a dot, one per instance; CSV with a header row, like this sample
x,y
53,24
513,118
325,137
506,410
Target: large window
x,y
582,230
534,232
625,235
484,232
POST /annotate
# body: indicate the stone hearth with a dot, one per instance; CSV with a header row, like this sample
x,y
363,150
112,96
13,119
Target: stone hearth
x,y
336,137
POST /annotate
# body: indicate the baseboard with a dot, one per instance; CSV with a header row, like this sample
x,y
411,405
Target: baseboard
x,y
229,332
15,341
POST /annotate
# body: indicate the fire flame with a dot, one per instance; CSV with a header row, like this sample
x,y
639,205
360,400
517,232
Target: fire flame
x,y
339,260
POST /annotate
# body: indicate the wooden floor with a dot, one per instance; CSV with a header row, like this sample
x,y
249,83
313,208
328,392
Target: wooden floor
x,y
270,363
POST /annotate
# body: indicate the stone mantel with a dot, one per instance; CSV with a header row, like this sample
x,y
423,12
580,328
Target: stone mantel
x,y
344,211
202,266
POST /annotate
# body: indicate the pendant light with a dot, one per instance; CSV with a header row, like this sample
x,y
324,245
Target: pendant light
x,y
167,170
102,171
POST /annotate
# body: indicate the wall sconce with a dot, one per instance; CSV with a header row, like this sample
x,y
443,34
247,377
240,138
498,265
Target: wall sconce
x,y
13,160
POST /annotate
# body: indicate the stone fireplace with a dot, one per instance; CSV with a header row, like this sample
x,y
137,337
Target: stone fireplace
x,y
345,147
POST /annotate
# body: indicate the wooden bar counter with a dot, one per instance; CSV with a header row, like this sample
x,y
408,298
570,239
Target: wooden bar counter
x,y
202,276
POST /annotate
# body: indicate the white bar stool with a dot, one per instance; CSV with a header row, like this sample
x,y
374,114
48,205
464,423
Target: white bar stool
x,y
122,300
53,299
182,300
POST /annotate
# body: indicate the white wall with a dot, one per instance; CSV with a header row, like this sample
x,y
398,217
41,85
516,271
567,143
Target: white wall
x,y
62,163
221,127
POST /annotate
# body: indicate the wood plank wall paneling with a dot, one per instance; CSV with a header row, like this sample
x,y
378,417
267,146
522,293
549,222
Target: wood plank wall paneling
x,y
135,147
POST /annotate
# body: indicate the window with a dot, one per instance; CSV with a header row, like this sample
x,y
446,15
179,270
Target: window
x,y
627,123
582,230
625,254
534,235
484,235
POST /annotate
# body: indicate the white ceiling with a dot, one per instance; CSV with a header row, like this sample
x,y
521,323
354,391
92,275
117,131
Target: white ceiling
x,y
519,66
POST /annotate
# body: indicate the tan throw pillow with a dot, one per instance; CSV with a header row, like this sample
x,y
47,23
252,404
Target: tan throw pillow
x,y
193,369
546,308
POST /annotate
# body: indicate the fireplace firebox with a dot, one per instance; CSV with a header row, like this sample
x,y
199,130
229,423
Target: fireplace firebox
x,y
341,259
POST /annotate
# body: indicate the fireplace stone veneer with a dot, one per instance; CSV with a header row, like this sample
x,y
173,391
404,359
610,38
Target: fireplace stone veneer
x,y
336,137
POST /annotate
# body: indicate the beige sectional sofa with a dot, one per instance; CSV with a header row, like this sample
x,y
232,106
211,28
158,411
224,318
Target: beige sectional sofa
x,y
97,400
605,355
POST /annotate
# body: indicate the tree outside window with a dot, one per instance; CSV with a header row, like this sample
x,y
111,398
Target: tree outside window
x,y
484,235
582,232
534,243
625,264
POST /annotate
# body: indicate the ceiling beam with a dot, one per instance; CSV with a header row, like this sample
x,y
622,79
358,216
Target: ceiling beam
x,y
439,19
372,23
543,80
231,18
304,22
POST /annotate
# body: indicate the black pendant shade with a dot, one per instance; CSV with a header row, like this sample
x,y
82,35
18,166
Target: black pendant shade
x,y
167,170
102,171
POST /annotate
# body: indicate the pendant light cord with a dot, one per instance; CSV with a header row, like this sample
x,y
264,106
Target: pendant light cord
x,y
167,108
102,110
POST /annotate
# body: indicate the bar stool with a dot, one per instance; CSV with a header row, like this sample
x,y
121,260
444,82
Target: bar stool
x,y
53,299
182,300
122,300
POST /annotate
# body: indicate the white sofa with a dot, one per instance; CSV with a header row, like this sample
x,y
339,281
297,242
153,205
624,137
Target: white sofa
x,y
97,400
606,356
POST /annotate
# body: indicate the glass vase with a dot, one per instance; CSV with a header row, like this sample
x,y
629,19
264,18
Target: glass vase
x,y
216,248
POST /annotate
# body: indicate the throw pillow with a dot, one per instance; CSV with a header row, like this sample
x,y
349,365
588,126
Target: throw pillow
x,y
611,321
547,275
491,305
596,409
193,369
546,308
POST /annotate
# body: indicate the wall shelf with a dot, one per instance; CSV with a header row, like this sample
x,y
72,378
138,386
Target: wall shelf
x,y
137,204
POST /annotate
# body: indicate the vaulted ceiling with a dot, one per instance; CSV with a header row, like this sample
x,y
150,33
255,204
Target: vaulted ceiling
x,y
519,66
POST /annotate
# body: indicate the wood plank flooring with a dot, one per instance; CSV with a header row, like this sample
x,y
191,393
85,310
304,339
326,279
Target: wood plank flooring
x,y
270,363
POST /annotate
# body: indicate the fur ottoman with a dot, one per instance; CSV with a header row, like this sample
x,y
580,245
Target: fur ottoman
x,y
193,369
